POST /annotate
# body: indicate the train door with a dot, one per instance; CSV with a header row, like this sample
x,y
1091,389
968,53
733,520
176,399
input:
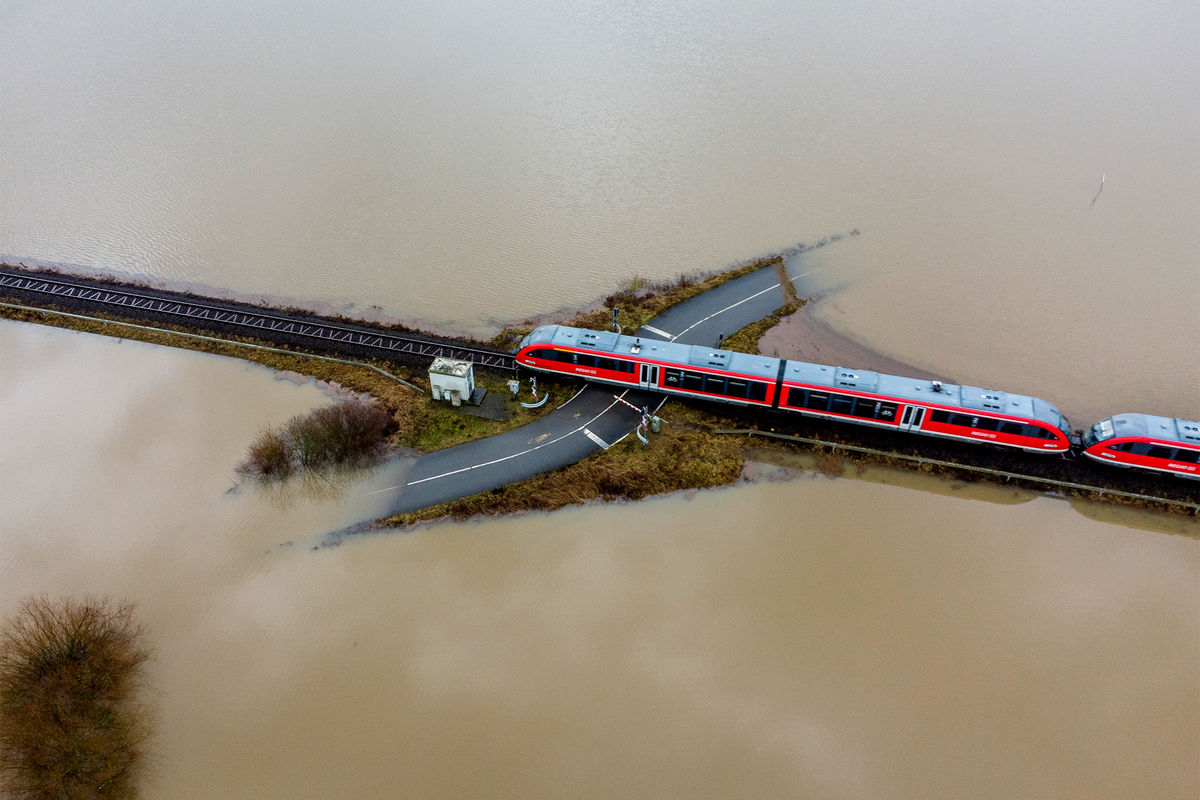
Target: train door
x,y
912,419
649,377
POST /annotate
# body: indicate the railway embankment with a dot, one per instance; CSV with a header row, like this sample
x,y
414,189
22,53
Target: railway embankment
x,y
699,457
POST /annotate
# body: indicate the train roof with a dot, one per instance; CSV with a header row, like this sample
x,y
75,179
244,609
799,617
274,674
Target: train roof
x,y
1153,427
767,368
693,355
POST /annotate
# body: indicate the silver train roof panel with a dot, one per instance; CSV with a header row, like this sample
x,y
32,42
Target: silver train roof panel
x,y
765,367
1154,427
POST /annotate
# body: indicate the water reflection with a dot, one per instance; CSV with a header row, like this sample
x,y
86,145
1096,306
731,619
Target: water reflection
x,y
768,464
327,485
841,638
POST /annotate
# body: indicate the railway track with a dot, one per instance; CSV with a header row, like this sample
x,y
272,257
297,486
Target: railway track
x,y
273,325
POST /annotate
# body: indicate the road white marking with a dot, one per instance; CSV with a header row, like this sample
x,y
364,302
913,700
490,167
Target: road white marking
x,y
522,452
733,305
603,444
659,331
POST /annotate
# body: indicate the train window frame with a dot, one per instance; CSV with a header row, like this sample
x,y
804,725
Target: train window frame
x,y
736,387
816,401
841,404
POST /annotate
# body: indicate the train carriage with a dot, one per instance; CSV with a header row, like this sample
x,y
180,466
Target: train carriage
x,y
860,397
1161,444
931,408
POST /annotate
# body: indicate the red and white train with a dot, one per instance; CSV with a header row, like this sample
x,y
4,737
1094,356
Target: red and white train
x,y
1145,441
928,408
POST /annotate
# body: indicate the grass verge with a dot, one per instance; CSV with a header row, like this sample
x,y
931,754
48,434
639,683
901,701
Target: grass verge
x,y
626,471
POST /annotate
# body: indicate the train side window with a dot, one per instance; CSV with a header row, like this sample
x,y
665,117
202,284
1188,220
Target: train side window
x,y
1157,451
585,360
1011,428
757,391
714,384
735,388
795,397
673,377
1187,456
937,415
962,420
693,381
986,424
840,404
865,408
605,363
817,401
887,411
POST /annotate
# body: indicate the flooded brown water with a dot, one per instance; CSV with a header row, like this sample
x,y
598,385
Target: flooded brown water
x,y
467,167
808,637
781,638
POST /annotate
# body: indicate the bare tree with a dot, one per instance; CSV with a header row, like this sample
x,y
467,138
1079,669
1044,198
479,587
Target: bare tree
x,y
72,724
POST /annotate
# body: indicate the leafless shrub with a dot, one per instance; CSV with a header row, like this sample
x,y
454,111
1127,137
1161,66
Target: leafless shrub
x,y
349,433
270,457
71,722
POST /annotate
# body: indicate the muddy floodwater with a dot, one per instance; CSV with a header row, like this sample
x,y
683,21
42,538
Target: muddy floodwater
x,y
1022,181
796,636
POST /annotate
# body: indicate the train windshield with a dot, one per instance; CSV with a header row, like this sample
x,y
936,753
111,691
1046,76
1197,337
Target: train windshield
x,y
524,341
1099,432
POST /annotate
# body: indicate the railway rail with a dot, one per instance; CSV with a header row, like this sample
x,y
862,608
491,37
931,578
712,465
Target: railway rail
x,y
224,316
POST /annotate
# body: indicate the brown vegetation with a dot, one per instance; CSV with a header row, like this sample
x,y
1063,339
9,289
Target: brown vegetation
x,y
347,434
641,300
71,722
627,471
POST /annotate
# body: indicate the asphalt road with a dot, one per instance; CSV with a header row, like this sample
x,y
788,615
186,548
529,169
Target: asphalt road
x,y
593,419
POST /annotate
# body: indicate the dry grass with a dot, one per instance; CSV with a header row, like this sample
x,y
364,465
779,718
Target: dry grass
x,y
627,471
71,722
640,301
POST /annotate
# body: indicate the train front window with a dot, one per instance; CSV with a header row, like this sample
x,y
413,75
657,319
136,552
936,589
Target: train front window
x,y
1098,433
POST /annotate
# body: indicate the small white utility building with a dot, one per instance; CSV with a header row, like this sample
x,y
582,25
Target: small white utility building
x,y
454,380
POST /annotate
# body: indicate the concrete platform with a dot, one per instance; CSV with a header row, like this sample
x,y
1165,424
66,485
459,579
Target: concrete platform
x,y
494,405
